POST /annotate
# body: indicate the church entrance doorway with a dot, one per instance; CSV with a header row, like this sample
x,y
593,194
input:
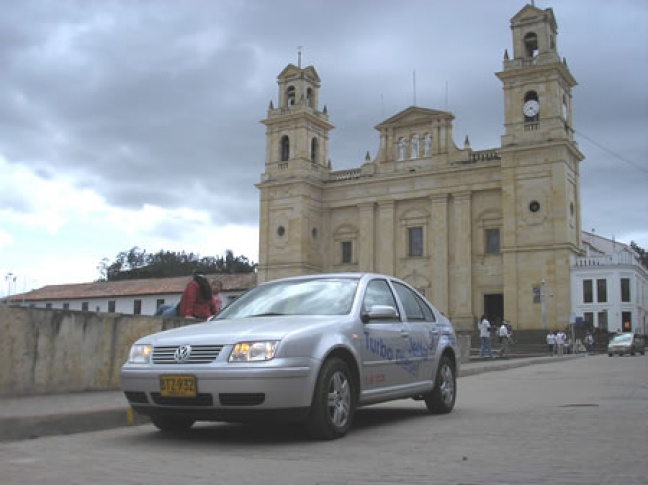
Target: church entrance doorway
x,y
494,308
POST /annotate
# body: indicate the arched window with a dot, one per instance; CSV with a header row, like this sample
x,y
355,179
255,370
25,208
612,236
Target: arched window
x,y
290,95
530,95
309,98
285,148
415,146
314,150
427,145
400,147
531,44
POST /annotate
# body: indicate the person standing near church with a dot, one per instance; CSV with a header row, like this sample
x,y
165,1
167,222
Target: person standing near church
x,y
504,336
560,342
551,341
217,288
484,337
197,299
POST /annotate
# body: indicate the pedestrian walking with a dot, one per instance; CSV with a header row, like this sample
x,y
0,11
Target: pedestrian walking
x,y
589,342
484,337
551,341
504,338
560,342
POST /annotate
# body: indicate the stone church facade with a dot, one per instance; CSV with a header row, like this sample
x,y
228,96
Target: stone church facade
x,y
477,232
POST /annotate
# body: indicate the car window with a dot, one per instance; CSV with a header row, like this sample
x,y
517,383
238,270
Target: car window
x,y
622,338
317,296
415,307
378,293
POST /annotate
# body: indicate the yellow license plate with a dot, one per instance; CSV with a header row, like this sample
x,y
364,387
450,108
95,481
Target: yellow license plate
x,y
178,386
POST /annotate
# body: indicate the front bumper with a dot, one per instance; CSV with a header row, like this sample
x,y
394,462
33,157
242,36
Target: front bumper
x,y
224,391
619,350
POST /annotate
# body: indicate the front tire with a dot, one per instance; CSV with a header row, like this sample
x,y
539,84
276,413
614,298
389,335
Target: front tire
x,y
334,401
172,424
442,398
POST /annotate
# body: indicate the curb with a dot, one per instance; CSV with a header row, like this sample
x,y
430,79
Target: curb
x,y
513,364
30,427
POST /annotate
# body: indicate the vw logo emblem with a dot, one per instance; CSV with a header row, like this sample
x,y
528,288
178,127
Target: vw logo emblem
x,y
182,353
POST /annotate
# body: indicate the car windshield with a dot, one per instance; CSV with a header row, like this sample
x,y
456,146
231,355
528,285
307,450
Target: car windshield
x,y
317,296
622,338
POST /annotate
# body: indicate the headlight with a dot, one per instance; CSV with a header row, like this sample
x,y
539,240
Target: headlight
x,y
253,351
140,354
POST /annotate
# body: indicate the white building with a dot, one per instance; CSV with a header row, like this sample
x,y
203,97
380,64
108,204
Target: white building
x,y
133,297
609,286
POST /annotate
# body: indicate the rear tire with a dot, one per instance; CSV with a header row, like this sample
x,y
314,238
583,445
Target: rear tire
x,y
334,401
442,398
172,424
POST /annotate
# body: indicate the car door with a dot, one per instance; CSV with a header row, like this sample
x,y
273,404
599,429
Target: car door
x,y
384,342
424,333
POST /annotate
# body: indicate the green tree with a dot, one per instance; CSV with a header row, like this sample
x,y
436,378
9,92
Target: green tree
x,y
138,264
643,255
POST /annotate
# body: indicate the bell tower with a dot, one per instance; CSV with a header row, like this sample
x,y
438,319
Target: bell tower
x,y
296,165
297,131
537,83
540,173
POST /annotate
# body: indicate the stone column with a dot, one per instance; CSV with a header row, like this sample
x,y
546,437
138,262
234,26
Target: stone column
x,y
461,270
385,238
367,237
438,250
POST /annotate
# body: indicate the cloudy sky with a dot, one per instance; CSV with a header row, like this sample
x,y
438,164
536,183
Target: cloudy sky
x,y
136,123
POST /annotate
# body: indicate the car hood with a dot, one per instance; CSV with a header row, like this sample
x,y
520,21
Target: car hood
x,y
224,332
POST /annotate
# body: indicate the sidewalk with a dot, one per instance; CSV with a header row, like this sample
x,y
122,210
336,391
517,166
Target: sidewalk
x,y
59,414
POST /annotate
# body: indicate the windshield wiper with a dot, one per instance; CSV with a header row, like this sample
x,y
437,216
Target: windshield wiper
x,y
269,314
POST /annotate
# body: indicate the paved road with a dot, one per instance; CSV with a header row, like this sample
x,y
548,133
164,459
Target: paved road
x,y
582,421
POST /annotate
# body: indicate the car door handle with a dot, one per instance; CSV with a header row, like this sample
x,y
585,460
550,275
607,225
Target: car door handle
x,y
404,334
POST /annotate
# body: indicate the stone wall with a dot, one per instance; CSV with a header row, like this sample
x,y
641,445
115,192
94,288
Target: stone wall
x,y
52,351
56,351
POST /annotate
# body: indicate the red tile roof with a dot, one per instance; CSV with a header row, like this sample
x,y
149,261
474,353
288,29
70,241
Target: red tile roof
x,y
153,286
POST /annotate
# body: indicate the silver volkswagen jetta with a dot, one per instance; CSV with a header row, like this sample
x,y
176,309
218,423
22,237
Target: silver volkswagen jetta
x,y
310,348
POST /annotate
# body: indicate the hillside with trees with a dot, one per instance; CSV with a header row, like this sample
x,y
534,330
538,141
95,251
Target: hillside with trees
x,y
136,263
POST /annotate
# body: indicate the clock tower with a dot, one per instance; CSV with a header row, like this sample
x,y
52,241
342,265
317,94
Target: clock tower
x,y
537,83
296,166
540,173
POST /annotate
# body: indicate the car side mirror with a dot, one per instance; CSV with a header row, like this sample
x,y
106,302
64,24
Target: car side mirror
x,y
379,312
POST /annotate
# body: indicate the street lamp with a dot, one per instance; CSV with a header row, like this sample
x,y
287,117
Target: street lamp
x,y
543,308
8,277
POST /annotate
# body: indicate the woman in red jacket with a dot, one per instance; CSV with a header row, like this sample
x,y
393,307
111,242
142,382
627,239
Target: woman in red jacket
x,y
197,299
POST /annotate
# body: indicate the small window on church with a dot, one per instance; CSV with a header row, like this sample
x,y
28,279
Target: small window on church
x,y
415,241
415,146
290,95
309,97
347,252
314,146
285,148
492,241
400,147
531,44
427,145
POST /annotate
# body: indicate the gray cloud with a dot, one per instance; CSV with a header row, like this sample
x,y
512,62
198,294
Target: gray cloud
x,y
155,102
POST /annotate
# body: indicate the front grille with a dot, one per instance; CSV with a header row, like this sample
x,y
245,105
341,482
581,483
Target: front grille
x,y
200,354
136,397
241,399
199,400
